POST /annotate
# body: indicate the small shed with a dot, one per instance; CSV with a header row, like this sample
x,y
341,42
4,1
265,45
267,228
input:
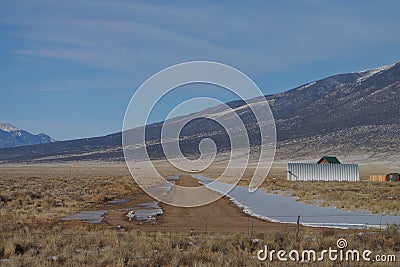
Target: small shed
x,y
328,160
377,178
393,177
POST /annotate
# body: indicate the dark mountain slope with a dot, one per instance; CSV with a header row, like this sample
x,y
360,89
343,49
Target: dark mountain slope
x,y
349,113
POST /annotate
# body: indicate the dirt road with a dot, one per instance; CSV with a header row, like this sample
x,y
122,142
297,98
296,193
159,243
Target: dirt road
x,y
221,216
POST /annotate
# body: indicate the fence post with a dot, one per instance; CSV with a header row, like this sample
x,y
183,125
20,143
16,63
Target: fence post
x,y
248,225
380,230
252,227
298,229
155,230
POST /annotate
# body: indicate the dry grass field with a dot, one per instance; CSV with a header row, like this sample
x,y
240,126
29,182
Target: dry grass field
x,y
33,198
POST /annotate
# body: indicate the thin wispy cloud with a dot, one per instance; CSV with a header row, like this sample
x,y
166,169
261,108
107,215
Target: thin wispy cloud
x,y
127,36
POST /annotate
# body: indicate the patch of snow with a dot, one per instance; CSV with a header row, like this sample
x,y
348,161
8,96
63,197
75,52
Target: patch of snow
x,y
380,90
371,72
8,127
229,111
306,86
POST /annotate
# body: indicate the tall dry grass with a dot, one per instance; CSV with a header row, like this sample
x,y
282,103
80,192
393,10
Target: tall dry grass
x,y
33,198
77,245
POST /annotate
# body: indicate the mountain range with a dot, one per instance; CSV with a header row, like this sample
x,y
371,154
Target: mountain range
x,y
11,136
350,115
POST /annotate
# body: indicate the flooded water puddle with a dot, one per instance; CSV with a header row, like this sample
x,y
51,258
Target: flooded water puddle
x,y
140,212
150,210
286,209
118,201
91,216
149,205
145,211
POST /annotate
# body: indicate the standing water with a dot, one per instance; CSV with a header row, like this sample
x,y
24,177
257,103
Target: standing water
x,y
286,209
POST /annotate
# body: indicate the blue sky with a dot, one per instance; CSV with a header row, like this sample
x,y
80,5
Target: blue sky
x,y
69,68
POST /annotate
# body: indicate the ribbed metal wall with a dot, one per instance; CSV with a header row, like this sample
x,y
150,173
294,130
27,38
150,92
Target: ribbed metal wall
x,y
322,172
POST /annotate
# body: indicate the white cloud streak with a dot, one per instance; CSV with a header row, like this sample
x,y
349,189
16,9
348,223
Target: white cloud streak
x,y
141,37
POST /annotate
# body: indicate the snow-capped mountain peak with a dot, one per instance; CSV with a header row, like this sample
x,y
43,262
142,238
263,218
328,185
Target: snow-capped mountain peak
x,y
11,136
8,127
368,73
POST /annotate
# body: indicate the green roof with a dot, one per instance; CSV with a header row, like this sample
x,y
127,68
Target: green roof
x,y
330,160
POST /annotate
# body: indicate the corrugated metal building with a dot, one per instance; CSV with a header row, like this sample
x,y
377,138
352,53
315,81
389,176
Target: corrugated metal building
x,y
322,172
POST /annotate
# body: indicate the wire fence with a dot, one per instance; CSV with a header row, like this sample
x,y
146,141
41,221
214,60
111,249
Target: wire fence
x,y
196,224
